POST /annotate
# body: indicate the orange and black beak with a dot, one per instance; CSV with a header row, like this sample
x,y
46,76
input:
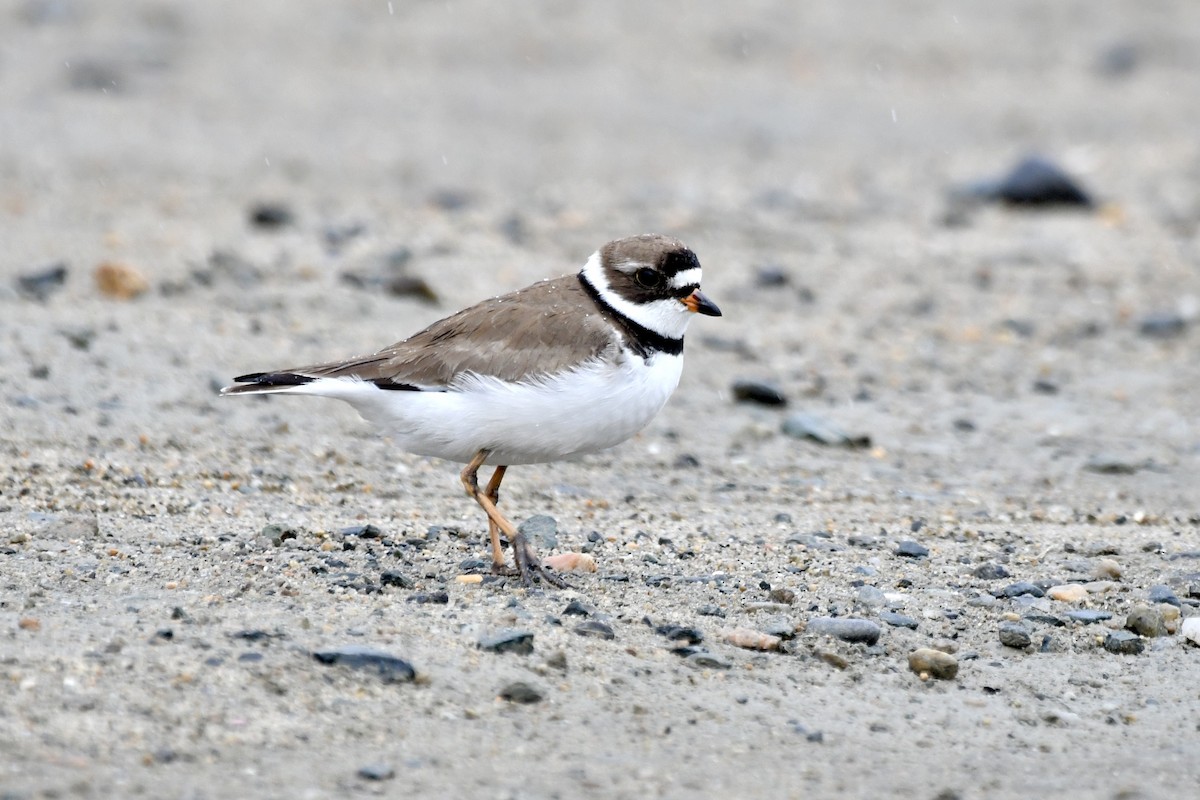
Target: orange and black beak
x,y
697,303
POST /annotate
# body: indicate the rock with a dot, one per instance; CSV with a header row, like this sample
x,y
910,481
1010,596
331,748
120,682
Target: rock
x,y
679,633
376,772
898,620
1160,593
1123,643
1088,616
595,629
1162,325
807,426
388,667
990,572
270,215
120,281
541,530
577,609
1034,182
570,562
1019,588
928,662
706,660
871,596
1067,593
759,392
784,596
1015,634
750,639
431,598
43,283
521,692
1106,569
367,531
1190,630
848,629
510,640
393,578
1111,465
1146,621
910,549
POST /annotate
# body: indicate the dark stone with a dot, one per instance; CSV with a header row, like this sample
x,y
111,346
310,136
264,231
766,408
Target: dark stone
x,y
1088,616
43,283
1045,619
436,598
577,609
271,215
508,641
848,629
898,620
1162,325
521,692
990,572
1035,182
1043,386
257,635
679,633
596,629
393,578
910,549
760,392
812,428
703,659
474,565
251,657
376,772
1124,643
411,286
1108,465
1019,588
362,531
686,461
781,595
1160,593
386,666
1015,634
711,611
540,531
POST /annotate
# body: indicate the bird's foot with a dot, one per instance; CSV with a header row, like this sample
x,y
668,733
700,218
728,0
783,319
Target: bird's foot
x,y
528,566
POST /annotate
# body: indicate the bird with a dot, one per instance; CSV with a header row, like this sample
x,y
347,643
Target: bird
x,y
560,369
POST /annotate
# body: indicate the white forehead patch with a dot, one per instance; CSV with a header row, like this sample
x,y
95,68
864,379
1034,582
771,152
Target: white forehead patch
x,y
686,278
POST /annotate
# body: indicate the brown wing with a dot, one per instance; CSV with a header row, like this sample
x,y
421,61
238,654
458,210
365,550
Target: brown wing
x,y
545,328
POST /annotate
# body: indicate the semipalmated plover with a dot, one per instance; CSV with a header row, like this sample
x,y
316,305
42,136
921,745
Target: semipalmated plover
x,y
565,367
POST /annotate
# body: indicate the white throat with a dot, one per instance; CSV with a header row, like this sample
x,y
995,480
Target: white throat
x,y
667,317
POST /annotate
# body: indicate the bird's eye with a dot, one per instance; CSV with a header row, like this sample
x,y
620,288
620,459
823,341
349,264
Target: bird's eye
x,y
648,278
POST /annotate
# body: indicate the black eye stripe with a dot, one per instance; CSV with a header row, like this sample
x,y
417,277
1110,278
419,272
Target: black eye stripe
x,y
686,290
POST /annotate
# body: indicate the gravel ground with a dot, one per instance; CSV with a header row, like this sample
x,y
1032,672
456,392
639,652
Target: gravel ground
x,y
207,598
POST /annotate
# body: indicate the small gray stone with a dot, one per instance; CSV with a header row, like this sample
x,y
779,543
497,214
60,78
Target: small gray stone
x,y
376,772
1088,616
807,426
1160,593
1124,643
510,640
1015,634
706,660
680,633
990,572
910,549
595,629
1146,621
388,667
1162,325
760,392
871,596
521,692
541,531
1021,587
848,629
898,620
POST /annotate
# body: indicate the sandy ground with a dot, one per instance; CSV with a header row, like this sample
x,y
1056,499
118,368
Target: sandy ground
x,y
157,634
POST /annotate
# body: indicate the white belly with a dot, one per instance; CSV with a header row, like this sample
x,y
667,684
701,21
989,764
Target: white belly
x,y
590,409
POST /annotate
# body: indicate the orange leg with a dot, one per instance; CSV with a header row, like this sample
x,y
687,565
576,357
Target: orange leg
x,y
524,557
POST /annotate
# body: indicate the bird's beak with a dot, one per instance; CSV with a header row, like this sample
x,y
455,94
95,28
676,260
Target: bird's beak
x,y
697,303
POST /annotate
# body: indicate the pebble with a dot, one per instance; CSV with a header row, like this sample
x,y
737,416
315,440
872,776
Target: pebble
x,y
388,667
1106,569
1067,593
848,629
710,611
510,640
1015,634
120,281
931,663
376,772
1019,588
706,660
393,578
1035,181
871,596
812,428
595,629
1088,616
1160,593
898,620
784,596
433,598
570,562
577,609
1162,325
521,692
43,283
1190,630
990,572
1146,621
1123,643
750,639
270,215
541,530
1111,465
910,549
1045,619
680,633
762,393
